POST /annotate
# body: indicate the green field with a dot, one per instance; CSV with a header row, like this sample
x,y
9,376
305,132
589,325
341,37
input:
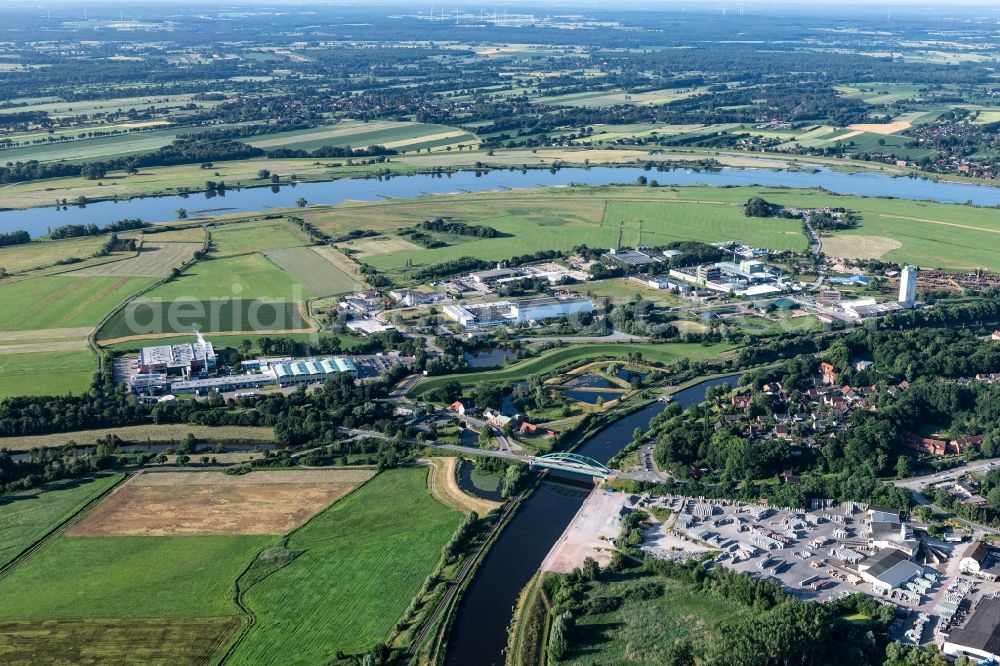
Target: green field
x,y
163,642
46,373
16,258
929,234
27,517
74,578
643,631
256,236
400,136
317,275
363,560
246,276
146,318
61,301
556,358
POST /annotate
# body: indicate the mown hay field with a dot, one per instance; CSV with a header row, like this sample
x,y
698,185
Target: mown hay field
x,y
198,503
315,272
153,260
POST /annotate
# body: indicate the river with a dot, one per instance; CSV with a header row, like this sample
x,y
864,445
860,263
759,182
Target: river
x,y
479,634
37,221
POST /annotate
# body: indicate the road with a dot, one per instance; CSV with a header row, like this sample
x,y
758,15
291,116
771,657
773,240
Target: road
x,y
915,483
615,336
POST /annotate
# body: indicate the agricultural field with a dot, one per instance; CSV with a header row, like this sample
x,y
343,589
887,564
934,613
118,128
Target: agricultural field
x,y
250,276
143,318
28,516
317,274
401,136
154,260
62,302
17,258
199,503
248,237
46,372
143,434
361,562
129,577
556,358
148,642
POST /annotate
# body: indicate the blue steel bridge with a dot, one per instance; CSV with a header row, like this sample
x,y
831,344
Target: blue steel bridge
x,y
571,462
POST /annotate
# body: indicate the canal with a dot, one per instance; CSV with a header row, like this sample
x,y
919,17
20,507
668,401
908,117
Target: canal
x,y
479,634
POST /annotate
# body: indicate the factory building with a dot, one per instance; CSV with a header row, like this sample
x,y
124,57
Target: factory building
x,y
185,359
484,315
310,372
539,309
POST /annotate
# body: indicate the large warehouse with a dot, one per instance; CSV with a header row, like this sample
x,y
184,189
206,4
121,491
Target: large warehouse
x,y
309,372
980,637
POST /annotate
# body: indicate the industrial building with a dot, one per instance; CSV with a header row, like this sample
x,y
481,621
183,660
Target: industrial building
x,y
185,359
889,569
980,637
309,372
497,313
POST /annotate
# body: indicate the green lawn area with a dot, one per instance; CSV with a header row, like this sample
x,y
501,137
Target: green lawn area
x,y
247,276
62,302
642,631
555,358
129,577
46,373
26,518
362,561
659,223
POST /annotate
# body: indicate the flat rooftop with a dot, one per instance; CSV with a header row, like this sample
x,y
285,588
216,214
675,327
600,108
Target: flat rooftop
x,y
982,631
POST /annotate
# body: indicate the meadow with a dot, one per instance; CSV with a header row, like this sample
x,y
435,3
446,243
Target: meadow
x,y
17,258
643,631
314,272
59,301
555,358
247,276
362,561
929,234
46,372
128,577
256,236
27,517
